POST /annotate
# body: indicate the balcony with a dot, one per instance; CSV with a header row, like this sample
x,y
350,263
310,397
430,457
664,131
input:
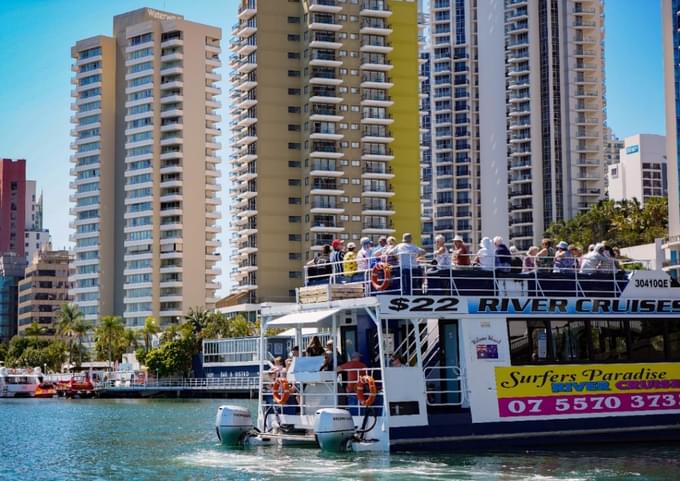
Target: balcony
x,y
327,205
324,40
326,187
320,21
247,11
384,154
324,6
324,59
324,95
325,113
374,8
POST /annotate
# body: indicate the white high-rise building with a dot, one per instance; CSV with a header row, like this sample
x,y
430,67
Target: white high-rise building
x,y
145,175
36,238
641,172
517,115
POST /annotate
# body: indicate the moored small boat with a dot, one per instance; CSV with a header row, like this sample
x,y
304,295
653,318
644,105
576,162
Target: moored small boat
x,y
78,386
45,390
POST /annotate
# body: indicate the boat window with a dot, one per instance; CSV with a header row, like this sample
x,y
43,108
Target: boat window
x,y
535,341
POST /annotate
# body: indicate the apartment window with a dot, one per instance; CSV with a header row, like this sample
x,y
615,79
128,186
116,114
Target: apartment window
x,y
294,219
356,181
293,128
293,19
293,55
294,164
294,182
293,110
139,39
293,73
293,91
293,37
294,146
90,52
294,274
294,237
294,201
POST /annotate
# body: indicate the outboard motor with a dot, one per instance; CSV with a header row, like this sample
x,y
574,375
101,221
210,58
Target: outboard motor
x,y
232,424
334,428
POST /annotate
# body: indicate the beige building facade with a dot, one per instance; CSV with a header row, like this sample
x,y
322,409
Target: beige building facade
x,y
44,289
146,178
325,137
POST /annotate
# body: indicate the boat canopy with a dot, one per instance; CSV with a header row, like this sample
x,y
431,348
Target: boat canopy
x,y
307,318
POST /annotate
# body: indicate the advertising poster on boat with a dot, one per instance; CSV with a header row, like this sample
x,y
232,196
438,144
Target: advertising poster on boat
x,y
592,389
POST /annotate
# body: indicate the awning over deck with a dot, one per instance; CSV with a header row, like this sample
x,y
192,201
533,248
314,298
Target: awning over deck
x,y
308,319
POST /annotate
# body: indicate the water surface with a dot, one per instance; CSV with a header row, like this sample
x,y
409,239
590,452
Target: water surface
x,y
168,440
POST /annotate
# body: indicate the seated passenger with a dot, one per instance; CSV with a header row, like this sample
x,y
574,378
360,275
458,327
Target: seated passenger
x,y
484,258
352,367
564,260
596,261
277,370
315,348
461,256
442,258
396,361
502,255
545,257
577,254
529,262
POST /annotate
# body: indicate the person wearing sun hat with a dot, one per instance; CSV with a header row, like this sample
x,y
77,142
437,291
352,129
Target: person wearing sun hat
x,y
461,256
349,262
337,257
564,260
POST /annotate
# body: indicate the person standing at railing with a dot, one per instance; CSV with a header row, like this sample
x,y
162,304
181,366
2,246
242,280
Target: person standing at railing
x,y
502,255
596,261
408,254
461,256
564,260
441,257
364,255
545,257
315,348
389,253
337,257
515,261
349,262
352,367
484,258
529,261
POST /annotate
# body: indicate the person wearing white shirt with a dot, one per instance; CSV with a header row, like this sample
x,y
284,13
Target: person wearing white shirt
x,y
407,252
364,255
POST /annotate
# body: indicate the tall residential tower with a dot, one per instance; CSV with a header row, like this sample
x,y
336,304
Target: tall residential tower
x,y
325,112
146,168
517,115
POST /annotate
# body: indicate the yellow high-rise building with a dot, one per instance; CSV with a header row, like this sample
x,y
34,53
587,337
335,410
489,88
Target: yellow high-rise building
x,y
326,134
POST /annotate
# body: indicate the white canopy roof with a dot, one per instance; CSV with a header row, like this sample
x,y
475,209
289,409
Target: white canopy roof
x,y
309,318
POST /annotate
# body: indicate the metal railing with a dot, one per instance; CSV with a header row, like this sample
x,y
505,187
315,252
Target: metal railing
x,y
207,384
444,386
492,276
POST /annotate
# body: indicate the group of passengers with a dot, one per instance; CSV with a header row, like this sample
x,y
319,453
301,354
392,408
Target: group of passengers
x,y
351,265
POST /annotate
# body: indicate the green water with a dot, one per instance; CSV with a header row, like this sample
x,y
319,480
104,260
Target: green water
x,y
168,440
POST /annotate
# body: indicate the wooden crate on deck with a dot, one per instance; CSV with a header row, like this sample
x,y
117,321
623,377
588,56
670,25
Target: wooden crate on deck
x,y
330,292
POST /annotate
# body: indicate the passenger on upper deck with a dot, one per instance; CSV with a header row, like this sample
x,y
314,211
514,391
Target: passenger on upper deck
x,y
277,370
529,261
389,252
596,261
364,255
349,262
379,250
337,257
294,352
577,254
545,257
324,257
502,255
484,258
461,256
408,252
516,261
442,258
315,348
564,260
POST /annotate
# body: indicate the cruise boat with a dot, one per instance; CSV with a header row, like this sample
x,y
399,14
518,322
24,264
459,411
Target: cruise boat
x,y
487,359
19,382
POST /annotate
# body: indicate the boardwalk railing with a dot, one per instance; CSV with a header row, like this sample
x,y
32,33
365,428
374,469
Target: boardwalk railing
x,y
194,384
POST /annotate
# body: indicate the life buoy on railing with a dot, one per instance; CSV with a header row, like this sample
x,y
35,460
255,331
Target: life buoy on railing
x,y
281,390
364,383
386,271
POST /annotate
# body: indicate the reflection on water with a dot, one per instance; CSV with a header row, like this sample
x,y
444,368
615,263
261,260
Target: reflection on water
x,y
154,440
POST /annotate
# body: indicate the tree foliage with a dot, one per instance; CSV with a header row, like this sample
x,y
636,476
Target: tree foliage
x,y
36,351
109,337
621,223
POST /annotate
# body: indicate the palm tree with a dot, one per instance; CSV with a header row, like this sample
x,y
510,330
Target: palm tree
x,y
109,333
129,339
67,317
80,329
151,328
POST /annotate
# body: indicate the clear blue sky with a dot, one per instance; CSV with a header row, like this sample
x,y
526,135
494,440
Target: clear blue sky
x,y
36,37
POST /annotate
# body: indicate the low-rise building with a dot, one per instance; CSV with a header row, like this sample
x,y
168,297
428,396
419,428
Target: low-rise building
x,y
44,289
641,172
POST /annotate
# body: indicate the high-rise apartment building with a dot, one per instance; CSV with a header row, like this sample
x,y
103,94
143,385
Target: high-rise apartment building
x,y
44,289
641,172
36,237
12,206
517,115
11,273
326,125
670,15
145,188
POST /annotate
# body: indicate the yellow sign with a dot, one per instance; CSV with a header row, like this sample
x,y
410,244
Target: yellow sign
x,y
558,380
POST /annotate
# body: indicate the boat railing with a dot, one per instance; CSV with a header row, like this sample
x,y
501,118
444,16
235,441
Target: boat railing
x,y
445,386
390,275
328,389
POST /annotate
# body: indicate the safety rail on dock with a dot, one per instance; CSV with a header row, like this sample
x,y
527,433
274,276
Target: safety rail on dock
x,y
192,384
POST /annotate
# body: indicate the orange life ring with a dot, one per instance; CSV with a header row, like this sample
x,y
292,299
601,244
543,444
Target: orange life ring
x,y
386,270
361,391
281,390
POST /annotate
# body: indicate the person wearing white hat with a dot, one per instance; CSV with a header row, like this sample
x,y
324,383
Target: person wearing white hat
x,y
349,263
461,256
595,260
484,257
364,255
442,258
